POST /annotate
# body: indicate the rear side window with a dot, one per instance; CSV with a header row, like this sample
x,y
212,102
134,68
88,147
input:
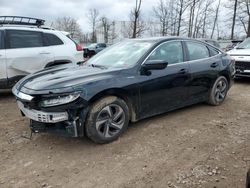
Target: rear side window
x,y
52,40
216,44
24,39
197,51
213,52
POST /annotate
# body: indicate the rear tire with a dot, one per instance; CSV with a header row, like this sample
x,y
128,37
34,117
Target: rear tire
x,y
108,118
219,91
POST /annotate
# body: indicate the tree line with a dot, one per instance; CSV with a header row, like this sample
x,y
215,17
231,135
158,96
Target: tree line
x,y
189,18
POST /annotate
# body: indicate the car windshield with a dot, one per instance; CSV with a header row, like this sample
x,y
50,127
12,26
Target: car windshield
x,y
245,44
122,55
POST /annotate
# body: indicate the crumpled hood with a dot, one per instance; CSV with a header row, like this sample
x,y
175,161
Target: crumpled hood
x,y
63,77
239,52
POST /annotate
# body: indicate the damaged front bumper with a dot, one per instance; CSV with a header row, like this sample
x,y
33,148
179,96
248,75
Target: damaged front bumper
x,y
64,120
44,117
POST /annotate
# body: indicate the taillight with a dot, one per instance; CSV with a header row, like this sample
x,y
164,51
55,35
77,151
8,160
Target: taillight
x,y
79,47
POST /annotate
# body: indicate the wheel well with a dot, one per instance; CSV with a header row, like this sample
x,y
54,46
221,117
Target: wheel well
x,y
120,93
227,77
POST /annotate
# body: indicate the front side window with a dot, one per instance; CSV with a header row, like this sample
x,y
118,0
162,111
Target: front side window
x,y
197,51
24,39
52,40
170,52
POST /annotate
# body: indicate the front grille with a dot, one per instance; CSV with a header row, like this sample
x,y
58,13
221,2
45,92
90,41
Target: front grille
x,y
242,65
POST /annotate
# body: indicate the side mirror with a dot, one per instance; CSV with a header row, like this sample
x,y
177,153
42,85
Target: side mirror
x,y
154,65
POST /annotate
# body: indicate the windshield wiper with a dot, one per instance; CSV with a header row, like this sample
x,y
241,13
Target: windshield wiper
x,y
240,48
98,66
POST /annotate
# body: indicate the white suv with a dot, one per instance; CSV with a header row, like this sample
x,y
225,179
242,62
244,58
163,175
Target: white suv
x,y
25,49
241,54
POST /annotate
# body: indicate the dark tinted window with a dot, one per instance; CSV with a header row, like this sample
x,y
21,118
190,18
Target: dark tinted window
x,y
1,40
52,40
170,52
24,39
197,51
213,52
216,44
101,45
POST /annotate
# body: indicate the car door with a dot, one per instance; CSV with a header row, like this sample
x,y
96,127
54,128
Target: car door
x,y
26,53
3,74
163,90
203,68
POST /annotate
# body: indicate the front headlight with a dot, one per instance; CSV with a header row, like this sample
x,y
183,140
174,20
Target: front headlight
x,y
59,100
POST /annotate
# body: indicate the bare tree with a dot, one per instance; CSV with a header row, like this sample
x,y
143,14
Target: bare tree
x,y
70,25
198,19
182,5
193,5
162,14
244,5
206,10
93,16
137,24
234,18
106,25
216,18
113,34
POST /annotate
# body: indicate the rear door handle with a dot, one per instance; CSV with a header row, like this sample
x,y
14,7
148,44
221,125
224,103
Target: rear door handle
x,y
214,65
183,71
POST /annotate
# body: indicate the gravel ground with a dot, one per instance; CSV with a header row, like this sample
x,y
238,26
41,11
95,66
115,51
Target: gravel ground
x,y
198,146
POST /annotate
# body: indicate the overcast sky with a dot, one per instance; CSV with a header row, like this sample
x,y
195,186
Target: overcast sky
x,y
52,9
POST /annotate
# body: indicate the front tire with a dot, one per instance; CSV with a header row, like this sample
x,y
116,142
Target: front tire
x,y
219,91
108,118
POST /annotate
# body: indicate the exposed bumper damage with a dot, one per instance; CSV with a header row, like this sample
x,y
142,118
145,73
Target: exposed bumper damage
x,y
64,120
68,128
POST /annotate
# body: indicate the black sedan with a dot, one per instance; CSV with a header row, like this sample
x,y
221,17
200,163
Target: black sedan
x,y
124,83
248,179
93,49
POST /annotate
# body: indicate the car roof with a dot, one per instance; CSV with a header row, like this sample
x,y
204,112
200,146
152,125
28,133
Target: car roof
x,y
166,38
204,39
38,29
28,28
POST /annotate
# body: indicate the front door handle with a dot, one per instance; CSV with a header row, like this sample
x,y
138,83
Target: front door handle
x,y
214,65
44,53
183,71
